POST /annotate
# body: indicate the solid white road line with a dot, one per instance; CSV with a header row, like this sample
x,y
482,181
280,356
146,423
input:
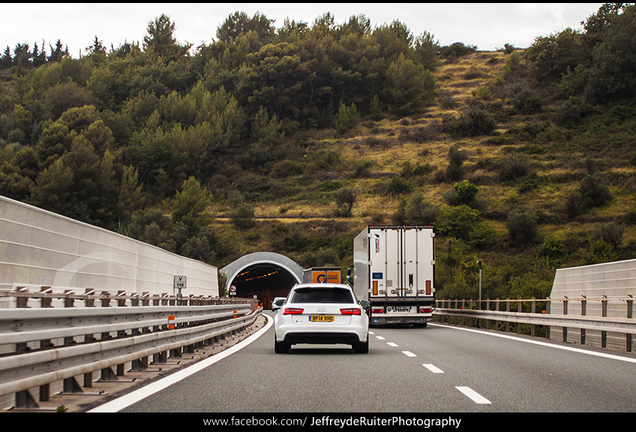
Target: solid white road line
x,y
432,368
546,344
472,394
134,397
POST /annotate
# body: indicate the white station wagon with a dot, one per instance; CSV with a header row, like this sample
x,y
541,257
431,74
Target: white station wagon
x,y
321,314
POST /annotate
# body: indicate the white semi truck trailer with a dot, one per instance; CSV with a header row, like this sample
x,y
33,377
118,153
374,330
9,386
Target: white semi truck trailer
x,y
394,269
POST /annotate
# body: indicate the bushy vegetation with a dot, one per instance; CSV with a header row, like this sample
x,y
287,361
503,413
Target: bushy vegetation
x,y
292,139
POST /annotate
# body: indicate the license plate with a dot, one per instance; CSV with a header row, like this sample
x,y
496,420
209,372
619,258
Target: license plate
x,y
321,318
399,309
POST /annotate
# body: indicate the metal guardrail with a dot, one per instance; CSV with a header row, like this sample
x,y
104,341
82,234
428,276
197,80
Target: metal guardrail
x,y
48,344
469,310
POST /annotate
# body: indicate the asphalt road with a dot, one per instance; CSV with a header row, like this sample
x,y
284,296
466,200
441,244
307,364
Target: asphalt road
x,y
439,369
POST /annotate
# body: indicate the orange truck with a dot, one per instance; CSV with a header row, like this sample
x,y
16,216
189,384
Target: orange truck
x,y
322,275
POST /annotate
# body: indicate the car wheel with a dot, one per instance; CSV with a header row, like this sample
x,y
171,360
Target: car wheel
x,y
281,347
361,347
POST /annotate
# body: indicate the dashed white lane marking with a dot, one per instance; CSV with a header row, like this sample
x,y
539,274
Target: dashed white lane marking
x,y
432,368
472,394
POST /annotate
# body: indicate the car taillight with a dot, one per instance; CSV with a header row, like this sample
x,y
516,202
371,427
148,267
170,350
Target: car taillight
x,y
377,310
292,311
426,310
353,311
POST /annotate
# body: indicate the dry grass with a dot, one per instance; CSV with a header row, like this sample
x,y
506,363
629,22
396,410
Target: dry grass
x,y
390,144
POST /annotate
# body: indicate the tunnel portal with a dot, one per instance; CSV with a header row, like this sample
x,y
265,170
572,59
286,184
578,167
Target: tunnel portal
x,y
264,275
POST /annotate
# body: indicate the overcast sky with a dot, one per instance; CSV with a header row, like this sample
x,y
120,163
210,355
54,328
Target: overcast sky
x,y
486,25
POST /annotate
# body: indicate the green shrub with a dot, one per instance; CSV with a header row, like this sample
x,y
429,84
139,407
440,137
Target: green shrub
x,y
346,118
457,49
345,199
473,122
512,63
457,221
463,193
243,217
399,186
523,229
456,157
420,212
593,192
572,112
611,233
286,168
484,93
514,166
527,102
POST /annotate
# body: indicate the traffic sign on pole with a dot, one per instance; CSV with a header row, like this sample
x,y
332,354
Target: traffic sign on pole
x,y
180,282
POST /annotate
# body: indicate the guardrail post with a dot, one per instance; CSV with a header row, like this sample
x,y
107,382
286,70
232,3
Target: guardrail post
x,y
533,309
89,301
519,310
507,310
70,385
21,301
88,380
23,399
161,357
121,298
497,309
139,364
175,353
565,312
548,310
463,306
45,300
68,300
583,313
604,314
488,308
630,309
105,298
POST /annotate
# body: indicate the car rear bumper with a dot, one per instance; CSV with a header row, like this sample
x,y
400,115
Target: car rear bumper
x,y
395,319
323,338
322,333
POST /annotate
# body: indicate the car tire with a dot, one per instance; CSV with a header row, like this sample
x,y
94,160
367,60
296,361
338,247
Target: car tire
x,y
281,347
361,347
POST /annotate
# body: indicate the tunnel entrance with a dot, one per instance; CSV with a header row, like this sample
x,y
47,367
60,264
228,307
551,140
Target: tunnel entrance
x,y
263,275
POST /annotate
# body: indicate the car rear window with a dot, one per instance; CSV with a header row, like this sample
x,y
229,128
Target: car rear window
x,y
322,295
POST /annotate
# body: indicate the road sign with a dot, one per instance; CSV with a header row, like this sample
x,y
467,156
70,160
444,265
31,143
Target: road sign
x,y
180,282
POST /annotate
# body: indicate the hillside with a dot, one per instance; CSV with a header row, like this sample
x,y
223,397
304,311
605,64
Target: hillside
x,y
293,139
551,161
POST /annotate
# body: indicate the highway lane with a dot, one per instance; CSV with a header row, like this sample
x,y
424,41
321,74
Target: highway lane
x,y
440,369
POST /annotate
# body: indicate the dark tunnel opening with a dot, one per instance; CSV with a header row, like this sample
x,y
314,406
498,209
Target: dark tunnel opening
x,y
265,281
